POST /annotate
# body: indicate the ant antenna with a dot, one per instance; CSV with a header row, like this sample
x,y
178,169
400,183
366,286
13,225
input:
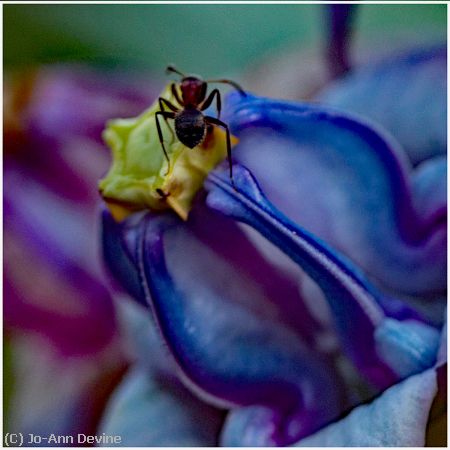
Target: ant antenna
x,y
174,70
231,83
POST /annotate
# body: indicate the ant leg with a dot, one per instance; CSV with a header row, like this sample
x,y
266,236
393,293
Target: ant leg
x,y
231,83
218,122
166,115
163,102
209,100
175,94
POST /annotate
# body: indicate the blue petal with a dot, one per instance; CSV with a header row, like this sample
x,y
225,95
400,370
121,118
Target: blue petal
x,y
406,94
396,419
229,348
359,309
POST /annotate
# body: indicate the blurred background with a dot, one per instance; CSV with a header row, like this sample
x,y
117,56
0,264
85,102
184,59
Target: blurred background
x,y
69,68
214,40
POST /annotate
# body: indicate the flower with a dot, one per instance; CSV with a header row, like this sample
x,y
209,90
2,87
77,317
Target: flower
x,y
314,285
318,322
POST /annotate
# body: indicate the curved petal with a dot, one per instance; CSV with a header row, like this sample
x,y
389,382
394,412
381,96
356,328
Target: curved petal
x,y
282,294
405,94
397,418
228,342
347,182
371,325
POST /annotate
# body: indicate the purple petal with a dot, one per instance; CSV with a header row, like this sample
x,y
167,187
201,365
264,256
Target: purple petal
x,y
361,313
406,94
347,182
51,280
72,101
61,124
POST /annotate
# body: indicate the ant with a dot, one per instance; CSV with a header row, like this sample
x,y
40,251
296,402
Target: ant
x,y
190,122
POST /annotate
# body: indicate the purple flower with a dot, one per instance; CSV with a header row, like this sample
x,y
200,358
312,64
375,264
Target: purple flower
x,y
318,284
303,307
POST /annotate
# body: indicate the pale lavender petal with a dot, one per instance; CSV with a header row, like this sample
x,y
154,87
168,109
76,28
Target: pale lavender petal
x,y
149,412
398,418
406,94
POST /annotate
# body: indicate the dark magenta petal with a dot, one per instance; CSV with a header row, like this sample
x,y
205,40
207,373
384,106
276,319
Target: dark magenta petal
x,y
370,325
349,183
62,122
52,283
406,94
229,347
60,395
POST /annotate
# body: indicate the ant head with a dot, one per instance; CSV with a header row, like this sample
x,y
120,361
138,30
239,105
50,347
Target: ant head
x,y
193,90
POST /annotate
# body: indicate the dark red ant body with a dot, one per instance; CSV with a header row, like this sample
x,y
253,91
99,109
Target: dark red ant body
x,y
190,122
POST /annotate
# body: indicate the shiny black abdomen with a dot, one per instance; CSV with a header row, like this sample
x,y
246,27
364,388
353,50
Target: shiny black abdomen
x,y
190,127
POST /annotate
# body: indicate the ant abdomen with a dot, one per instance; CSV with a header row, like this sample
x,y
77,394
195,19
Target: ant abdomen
x,y
190,127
